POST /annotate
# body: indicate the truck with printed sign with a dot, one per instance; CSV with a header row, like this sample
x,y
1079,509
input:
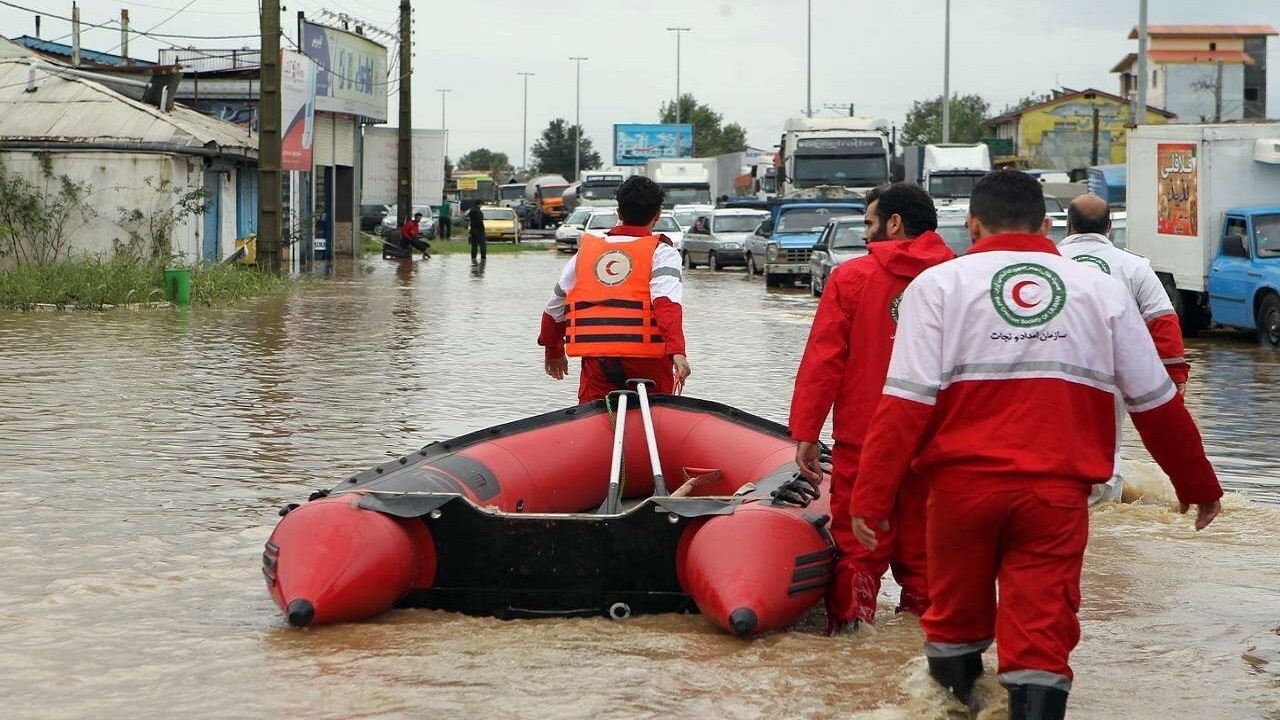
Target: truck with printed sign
x,y
688,181
1203,206
833,157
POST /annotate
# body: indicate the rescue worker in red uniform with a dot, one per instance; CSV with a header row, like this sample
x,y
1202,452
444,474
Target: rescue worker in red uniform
x,y
618,303
1000,394
844,363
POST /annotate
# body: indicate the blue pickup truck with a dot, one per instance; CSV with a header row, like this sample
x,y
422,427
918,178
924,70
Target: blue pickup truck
x,y
781,246
1244,277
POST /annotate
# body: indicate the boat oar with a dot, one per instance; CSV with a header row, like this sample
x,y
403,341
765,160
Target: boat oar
x,y
646,417
613,499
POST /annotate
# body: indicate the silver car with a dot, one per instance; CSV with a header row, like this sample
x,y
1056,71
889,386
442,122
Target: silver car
x,y
569,231
841,240
716,238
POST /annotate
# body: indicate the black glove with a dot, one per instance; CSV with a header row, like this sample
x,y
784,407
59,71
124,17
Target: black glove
x,y
798,491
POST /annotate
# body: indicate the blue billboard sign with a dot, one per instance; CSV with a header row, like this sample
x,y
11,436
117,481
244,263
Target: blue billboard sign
x,y
637,144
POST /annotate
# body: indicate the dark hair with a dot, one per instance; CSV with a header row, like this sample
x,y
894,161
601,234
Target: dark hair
x,y
1008,201
639,199
909,202
417,215
1082,222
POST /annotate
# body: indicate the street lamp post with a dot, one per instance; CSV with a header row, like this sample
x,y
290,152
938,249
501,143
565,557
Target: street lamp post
x,y
946,79
524,142
808,67
577,119
678,31
443,125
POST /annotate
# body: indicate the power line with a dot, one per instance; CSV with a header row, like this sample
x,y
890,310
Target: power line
x,y
176,36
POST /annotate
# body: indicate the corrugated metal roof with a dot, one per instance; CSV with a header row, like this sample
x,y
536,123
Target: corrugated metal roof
x,y
50,47
69,109
1205,31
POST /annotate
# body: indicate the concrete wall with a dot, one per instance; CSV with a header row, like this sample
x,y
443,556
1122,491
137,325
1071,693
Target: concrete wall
x,y
118,180
1060,136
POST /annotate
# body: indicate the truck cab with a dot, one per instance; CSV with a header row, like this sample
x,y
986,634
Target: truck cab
x,y
1244,276
849,153
781,246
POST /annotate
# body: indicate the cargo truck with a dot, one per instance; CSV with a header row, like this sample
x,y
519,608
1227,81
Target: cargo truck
x,y
947,172
688,181
833,157
1203,206
543,194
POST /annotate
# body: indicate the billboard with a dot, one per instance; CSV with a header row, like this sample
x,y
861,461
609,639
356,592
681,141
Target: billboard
x,y
381,146
637,144
1177,205
351,77
297,110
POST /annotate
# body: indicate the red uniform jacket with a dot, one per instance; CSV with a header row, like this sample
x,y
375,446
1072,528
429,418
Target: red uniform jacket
x,y
847,356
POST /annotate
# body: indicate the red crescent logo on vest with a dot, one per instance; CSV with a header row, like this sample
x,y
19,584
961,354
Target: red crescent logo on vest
x,y
613,268
1017,294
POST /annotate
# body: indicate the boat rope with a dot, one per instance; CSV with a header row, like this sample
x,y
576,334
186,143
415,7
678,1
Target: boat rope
x,y
622,461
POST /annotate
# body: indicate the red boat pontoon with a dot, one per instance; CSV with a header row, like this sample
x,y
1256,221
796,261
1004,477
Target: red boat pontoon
x,y
544,517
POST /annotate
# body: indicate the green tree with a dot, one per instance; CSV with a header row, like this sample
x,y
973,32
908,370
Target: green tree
x,y
924,120
553,152
710,136
485,160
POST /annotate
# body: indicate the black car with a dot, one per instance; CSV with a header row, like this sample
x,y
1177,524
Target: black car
x,y
371,217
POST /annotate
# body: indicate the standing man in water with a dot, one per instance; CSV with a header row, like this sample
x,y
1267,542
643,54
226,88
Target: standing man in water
x,y
1087,241
1001,395
475,233
844,364
619,303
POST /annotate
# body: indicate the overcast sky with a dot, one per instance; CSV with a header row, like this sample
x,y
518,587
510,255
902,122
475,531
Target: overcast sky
x,y
746,58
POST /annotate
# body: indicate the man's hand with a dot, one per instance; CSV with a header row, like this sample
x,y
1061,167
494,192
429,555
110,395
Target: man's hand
x,y
865,534
807,459
680,369
1205,512
1182,388
558,368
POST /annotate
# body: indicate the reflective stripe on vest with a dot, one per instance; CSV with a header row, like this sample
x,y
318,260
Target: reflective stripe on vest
x,y
610,312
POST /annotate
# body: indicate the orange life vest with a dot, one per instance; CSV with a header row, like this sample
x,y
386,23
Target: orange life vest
x,y
610,311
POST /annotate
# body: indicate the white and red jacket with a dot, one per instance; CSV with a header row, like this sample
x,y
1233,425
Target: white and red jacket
x,y
1153,302
1004,372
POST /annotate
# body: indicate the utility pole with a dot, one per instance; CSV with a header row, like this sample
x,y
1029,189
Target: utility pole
x,y
1217,95
577,121
1140,97
75,35
1094,155
124,35
678,31
404,154
269,140
524,132
808,65
443,125
946,79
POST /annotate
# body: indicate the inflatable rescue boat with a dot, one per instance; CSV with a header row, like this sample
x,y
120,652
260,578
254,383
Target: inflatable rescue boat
x,y
563,514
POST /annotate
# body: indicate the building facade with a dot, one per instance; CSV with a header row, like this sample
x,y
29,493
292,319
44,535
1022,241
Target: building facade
x,y
1070,130
1202,73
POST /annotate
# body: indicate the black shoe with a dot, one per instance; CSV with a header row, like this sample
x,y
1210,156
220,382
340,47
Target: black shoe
x,y
1037,702
957,673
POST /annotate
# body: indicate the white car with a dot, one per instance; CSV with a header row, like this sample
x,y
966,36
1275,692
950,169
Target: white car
x,y
569,231
668,226
686,214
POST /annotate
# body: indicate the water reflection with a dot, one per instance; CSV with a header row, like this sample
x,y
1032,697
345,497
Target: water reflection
x,y
144,455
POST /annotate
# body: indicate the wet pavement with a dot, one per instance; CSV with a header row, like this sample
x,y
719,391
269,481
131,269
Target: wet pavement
x,y
144,454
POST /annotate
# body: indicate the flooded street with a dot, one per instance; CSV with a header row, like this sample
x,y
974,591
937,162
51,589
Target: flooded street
x,y
144,455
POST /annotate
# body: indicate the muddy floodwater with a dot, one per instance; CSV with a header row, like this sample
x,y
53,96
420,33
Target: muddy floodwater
x,y
143,456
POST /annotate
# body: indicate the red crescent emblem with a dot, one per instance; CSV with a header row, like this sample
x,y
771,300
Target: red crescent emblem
x,y
608,267
1016,294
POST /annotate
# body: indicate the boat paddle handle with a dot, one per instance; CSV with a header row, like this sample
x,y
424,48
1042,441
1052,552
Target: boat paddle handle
x,y
612,500
646,416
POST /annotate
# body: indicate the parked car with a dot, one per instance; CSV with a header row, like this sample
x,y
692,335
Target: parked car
x,y
371,217
426,228
668,226
841,240
569,230
686,214
500,223
716,238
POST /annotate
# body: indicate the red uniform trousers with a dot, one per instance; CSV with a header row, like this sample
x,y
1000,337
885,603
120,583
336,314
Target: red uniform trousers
x,y
856,584
1029,541
601,376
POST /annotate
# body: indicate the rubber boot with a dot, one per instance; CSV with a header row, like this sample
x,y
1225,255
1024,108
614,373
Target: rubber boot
x,y
1037,702
957,673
